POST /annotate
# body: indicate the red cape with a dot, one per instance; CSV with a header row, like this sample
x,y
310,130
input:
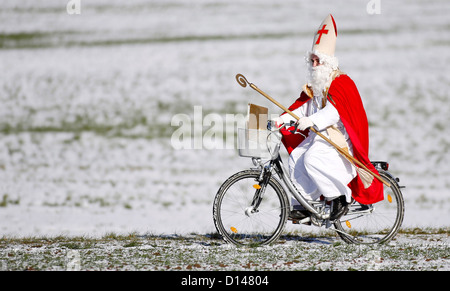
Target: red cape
x,y
344,96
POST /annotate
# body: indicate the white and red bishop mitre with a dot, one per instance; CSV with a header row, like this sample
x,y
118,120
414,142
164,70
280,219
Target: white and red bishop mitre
x,y
325,37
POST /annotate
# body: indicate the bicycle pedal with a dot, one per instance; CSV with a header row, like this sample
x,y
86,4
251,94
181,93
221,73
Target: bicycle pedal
x,y
305,221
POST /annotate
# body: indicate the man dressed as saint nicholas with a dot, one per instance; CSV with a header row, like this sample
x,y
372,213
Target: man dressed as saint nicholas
x,y
329,102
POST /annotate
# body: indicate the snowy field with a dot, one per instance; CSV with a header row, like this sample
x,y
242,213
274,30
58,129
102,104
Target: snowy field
x,y
408,252
87,102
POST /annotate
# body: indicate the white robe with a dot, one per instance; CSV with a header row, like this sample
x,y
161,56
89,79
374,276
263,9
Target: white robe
x,y
316,167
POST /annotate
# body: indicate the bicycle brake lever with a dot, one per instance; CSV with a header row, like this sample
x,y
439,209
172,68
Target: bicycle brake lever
x,y
295,125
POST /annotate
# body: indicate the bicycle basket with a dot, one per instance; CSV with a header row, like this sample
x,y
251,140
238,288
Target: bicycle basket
x,y
257,143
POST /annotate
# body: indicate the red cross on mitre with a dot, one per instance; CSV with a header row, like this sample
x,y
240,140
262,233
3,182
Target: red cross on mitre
x,y
320,32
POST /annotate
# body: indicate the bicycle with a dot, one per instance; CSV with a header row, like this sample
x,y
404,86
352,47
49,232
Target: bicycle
x,y
251,207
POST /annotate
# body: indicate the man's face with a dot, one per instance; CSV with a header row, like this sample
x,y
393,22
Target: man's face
x,y
315,61
318,74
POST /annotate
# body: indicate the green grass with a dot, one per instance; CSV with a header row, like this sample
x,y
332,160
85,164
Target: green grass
x,y
416,249
37,39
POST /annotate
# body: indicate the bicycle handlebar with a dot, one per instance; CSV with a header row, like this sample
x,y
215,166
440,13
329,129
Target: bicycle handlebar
x,y
273,128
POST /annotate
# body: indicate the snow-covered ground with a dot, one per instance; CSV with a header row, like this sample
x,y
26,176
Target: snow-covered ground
x,y
198,252
87,103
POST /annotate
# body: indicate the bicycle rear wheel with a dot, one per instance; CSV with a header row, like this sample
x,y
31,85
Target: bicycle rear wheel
x,y
241,221
376,223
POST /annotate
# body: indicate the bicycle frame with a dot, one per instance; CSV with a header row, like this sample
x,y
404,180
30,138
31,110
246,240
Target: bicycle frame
x,y
277,165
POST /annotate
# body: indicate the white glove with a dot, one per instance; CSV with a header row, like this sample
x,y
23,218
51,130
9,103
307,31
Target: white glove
x,y
304,123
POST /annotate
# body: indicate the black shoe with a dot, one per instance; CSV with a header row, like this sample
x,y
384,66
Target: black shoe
x,y
339,207
298,214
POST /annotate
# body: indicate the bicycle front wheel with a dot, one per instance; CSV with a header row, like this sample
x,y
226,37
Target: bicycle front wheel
x,y
246,212
376,223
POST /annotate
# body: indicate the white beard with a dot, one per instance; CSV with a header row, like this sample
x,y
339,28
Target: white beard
x,y
318,78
